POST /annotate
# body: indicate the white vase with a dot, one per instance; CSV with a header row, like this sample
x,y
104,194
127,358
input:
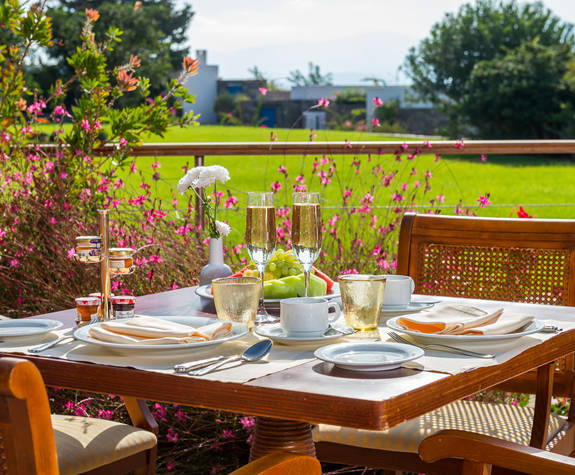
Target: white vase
x,y
215,268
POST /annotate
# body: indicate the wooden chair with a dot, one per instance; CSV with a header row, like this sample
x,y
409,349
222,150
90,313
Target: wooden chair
x,y
480,453
36,442
517,260
281,464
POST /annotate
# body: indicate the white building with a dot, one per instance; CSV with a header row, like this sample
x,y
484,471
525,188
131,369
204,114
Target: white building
x,y
404,95
205,86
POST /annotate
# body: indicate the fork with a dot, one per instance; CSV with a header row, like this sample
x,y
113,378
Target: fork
x,y
439,347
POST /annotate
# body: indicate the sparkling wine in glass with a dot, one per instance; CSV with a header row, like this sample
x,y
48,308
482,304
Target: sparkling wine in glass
x,y
306,231
261,241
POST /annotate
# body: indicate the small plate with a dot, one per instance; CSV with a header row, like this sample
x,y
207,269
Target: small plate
x,y
204,291
466,341
425,299
412,307
27,327
368,356
238,330
276,333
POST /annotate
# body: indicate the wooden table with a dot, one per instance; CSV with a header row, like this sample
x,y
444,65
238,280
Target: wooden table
x,y
312,392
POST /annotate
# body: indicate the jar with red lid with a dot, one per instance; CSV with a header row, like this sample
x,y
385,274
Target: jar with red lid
x,y
87,309
123,306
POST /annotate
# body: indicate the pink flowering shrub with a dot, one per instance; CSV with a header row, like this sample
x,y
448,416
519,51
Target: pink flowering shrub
x,y
49,196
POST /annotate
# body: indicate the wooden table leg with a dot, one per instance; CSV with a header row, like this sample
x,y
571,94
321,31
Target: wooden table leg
x,y
273,435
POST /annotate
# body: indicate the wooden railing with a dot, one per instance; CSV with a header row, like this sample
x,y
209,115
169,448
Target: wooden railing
x,y
199,150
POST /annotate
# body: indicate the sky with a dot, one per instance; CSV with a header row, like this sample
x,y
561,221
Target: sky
x,y
352,39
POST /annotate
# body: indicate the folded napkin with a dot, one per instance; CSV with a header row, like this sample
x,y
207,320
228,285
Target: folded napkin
x,y
464,320
155,331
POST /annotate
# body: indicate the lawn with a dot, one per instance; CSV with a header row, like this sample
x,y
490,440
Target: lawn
x,y
543,185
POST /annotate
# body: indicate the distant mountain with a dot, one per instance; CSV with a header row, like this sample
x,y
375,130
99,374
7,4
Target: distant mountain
x,y
351,59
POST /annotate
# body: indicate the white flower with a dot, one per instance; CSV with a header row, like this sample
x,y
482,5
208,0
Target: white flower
x,y
200,177
222,228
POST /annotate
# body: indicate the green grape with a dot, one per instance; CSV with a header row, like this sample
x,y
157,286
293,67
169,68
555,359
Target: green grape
x,y
271,267
294,271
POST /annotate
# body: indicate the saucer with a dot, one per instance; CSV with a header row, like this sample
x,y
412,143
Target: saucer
x,y
412,307
368,356
277,334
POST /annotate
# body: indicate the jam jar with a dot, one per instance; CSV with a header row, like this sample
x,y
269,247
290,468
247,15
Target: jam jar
x,y
87,309
123,306
121,260
88,248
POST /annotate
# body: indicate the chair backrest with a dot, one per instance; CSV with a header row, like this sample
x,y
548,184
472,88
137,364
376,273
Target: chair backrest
x,y
518,260
25,423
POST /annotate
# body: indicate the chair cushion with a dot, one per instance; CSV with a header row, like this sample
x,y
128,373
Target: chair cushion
x,y
85,443
503,421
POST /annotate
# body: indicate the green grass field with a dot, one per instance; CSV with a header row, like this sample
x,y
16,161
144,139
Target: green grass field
x,y
543,185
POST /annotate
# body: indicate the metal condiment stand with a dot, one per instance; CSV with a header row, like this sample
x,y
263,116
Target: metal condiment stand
x,y
105,280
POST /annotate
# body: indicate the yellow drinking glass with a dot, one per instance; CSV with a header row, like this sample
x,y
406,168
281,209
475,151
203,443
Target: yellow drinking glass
x,y
237,298
361,298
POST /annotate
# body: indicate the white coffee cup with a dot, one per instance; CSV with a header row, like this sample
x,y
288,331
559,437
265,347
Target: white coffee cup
x,y
398,290
307,317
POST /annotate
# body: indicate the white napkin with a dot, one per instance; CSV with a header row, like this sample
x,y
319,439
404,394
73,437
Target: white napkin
x,y
507,323
156,331
449,319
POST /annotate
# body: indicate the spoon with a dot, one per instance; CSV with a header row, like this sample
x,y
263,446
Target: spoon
x,y
253,353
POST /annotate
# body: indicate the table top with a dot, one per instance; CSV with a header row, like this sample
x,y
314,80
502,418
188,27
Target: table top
x,y
314,391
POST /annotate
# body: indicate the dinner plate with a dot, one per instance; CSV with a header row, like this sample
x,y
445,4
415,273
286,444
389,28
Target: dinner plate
x,y
204,291
466,340
276,333
368,356
238,330
27,327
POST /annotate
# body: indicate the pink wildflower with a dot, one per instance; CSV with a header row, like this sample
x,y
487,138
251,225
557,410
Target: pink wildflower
x,y
323,102
426,144
427,174
103,414
172,435
122,143
276,186
349,271
53,220
458,144
97,125
14,263
375,123
59,110
282,169
49,166
247,422
483,201
346,193
85,125
377,102
263,91
404,147
156,164
483,157
440,198
228,434
71,253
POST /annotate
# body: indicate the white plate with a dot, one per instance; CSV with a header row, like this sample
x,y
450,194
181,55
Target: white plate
x,y
465,341
238,330
205,292
27,327
368,356
276,333
413,307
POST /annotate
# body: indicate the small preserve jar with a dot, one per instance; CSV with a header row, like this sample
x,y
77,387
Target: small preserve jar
x,y
88,248
123,306
87,309
121,260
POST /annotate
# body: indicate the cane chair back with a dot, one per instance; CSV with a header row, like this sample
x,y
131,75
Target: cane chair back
x,y
515,260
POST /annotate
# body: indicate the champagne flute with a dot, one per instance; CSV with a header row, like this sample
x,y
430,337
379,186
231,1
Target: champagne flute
x,y
261,241
306,231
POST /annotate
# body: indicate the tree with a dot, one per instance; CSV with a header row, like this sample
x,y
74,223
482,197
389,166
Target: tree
x,y
442,64
522,94
154,30
313,78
